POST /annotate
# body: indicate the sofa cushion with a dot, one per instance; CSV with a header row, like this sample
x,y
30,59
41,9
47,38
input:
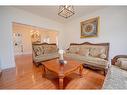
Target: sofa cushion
x,y
103,56
97,62
96,51
46,57
83,52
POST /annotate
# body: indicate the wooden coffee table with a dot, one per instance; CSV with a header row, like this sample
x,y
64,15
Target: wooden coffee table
x,y
62,70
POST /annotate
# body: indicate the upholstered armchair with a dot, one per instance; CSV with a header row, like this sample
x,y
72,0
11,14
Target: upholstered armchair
x,y
120,61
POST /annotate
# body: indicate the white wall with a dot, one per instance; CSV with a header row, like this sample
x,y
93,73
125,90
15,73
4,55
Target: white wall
x,y
113,29
9,15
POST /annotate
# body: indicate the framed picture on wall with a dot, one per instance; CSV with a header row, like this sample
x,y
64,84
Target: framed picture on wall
x,y
89,28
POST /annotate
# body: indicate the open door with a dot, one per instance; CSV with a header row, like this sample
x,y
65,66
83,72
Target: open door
x,y
18,43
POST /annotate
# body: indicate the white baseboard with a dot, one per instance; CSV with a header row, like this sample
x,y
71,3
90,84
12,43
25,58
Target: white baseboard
x,y
8,66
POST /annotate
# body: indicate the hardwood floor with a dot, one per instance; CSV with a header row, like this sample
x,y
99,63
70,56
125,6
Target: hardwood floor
x,y
28,76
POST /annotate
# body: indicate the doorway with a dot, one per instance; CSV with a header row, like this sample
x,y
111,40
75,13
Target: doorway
x,y
24,35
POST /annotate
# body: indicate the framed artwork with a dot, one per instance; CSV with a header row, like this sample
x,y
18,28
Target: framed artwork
x,y
89,28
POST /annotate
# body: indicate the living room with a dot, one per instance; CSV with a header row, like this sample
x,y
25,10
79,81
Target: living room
x,y
111,28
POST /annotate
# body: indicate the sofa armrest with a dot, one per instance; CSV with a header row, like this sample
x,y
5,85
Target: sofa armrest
x,y
116,57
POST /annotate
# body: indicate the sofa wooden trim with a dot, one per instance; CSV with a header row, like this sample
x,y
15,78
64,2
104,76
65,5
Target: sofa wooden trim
x,y
43,43
96,44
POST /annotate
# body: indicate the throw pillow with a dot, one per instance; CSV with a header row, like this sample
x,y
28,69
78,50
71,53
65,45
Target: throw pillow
x,y
96,52
103,56
84,52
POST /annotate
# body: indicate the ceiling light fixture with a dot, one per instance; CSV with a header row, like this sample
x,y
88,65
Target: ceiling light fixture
x,y
66,11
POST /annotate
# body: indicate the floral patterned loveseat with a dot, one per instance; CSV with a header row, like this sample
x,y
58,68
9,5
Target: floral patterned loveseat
x,y
91,55
43,52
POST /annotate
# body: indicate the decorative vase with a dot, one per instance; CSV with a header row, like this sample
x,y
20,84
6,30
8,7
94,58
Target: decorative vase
x,y
61,57
61,52
61,61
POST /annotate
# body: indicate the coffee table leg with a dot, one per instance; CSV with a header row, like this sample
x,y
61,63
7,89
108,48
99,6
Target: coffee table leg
x,y
61,83
80,70
44,71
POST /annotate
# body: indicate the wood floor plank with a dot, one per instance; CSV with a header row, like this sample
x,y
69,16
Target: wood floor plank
x,y
28,76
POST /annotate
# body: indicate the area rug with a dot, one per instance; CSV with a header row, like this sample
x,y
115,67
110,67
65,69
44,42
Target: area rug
x,y
116,78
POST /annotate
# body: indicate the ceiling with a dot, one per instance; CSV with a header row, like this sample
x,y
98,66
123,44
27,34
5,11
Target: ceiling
x,y
51,12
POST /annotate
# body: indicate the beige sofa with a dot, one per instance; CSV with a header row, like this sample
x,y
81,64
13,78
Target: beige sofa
x,y
43,52
91,55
